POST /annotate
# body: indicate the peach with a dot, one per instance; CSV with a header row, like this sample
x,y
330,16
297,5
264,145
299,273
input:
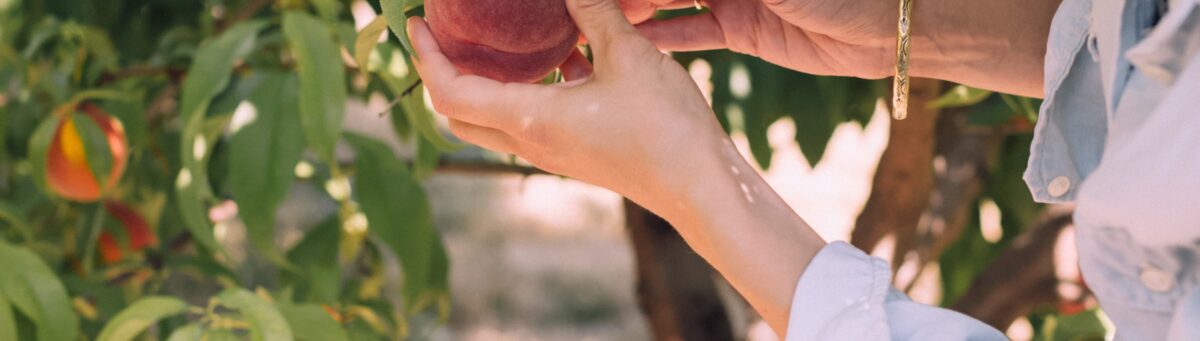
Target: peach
x,y
506,40
137,231
67,170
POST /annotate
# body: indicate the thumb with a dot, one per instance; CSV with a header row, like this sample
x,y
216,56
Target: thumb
x,y
601,21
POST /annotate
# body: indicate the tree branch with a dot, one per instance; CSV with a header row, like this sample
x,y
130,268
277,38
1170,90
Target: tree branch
x,y
1021,278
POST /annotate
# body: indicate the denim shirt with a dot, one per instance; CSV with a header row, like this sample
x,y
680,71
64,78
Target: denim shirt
x,y
1119,134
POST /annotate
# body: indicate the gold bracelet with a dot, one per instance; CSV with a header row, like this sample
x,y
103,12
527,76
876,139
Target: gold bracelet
x,y
900,85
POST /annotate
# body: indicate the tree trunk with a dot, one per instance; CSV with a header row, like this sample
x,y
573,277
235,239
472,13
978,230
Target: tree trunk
x,y
676,288
904,178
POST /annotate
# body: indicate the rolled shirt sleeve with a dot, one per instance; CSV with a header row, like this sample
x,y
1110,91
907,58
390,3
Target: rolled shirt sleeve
x,y
845,294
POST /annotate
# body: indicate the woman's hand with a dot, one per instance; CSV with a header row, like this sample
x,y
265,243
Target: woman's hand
x,y
845,38
633,125
637,125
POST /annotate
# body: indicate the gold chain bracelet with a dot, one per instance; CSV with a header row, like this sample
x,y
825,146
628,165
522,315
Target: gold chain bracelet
x,y
900,85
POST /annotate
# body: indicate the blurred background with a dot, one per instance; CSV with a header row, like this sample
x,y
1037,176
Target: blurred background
x,y
272,169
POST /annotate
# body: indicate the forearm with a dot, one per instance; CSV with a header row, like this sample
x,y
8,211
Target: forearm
x,y
997,45
731,217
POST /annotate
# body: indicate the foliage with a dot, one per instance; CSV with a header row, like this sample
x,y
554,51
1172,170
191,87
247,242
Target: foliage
x,y
228,104
221,103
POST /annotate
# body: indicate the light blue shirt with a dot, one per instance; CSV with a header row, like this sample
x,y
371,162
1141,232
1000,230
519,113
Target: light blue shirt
x,y
1119,134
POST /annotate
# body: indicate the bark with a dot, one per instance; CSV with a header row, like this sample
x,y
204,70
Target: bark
x,y
676,288
1021,278
968,152
904,178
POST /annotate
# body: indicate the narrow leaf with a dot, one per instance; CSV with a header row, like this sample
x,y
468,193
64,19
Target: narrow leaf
x,y
367,39
393,10
413,106
265,146
95,145
139,316
35,290
396,209
322,80
266,323
960,96
310,322
8,323
317,257
426,160
328,9
208,75
189,332
39,147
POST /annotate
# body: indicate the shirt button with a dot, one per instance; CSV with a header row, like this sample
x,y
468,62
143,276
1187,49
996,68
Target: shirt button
x,y
1156,280
1059,186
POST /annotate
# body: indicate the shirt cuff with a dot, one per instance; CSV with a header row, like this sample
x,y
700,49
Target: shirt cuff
x,y
841,296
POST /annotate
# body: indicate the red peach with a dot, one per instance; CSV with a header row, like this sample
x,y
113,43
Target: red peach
x,y
506,40
67,170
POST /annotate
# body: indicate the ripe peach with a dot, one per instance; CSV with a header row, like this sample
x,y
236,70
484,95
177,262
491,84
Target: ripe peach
x,y
506,40
67,170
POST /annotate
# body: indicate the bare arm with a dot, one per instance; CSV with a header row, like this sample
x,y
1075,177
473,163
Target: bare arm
x,y
997,45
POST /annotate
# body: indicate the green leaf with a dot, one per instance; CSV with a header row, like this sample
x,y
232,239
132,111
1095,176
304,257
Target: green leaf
x,y
393,10
819,117
210,71
188,332
311,322
818,114
328,9
266,323
8,323
322,80
207,76
426,160
368,38
763,106
317,257
95,145
396,209
960,96
39,148
991,111
265,146
139,316
16,220
34,289
413,106
133,119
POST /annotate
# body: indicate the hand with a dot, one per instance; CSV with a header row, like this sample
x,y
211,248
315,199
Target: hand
x,y
844,38
637,124
633,126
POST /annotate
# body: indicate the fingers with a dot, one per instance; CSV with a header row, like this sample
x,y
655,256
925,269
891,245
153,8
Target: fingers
x,y
436,67
575,67
485,137
472,99
691,33
601,21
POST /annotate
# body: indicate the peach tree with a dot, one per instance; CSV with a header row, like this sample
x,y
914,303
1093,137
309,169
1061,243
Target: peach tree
x,y
139,138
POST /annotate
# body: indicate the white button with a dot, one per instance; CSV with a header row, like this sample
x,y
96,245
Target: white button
x,y
1059,186
1157,280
